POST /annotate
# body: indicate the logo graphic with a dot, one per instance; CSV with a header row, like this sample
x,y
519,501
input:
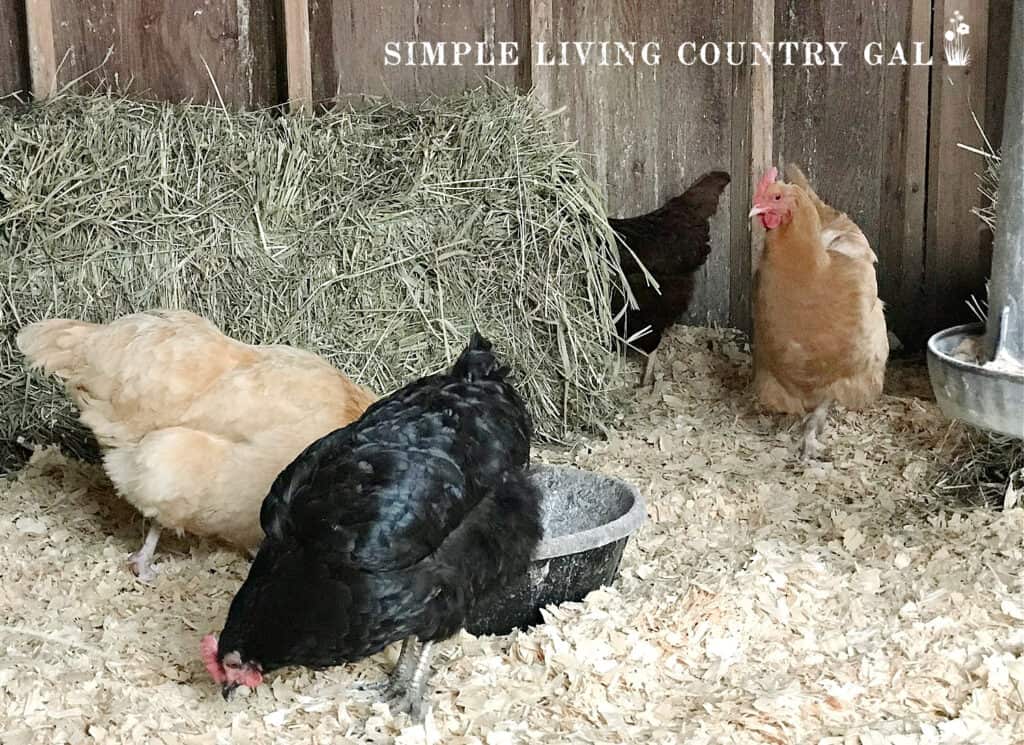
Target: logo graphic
x,y
957,52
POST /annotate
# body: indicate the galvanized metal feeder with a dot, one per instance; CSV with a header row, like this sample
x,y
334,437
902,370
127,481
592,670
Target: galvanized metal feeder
x,y
989,393
587,520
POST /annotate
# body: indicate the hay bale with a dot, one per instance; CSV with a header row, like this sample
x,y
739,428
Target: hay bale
x,y
376,237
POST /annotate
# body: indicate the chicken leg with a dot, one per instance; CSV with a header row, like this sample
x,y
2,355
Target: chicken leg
x,y
649,366
814,427
141,562
411,696
399,678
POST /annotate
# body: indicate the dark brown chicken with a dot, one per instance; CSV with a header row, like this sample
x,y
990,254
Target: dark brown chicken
x,y
672,243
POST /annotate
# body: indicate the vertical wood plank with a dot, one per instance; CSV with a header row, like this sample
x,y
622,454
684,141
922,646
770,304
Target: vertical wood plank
x,y
297,55
750,162
41,55
472,21
859,130
541,31
522,19
637,161
900,246
650,130
955,265
827,118
695,129
186,50
349,37
740,165
14,74
762,141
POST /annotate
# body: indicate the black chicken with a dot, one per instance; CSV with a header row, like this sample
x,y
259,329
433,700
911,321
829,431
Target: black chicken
x,y
391,528
672,243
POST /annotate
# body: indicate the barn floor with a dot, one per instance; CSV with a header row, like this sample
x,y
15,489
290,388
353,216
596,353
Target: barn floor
x,y
763,602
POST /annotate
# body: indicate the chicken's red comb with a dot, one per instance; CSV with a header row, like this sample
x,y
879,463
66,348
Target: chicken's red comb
x,y
767,180
208,650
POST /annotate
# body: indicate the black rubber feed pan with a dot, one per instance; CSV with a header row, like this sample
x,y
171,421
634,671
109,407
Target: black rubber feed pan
x,y
587,520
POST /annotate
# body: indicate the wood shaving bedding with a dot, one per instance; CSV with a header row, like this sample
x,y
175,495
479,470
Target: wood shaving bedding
x,y
763,602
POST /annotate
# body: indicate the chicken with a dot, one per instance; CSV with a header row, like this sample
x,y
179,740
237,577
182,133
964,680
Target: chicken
x,y
389,529
672,243
194,426
819,327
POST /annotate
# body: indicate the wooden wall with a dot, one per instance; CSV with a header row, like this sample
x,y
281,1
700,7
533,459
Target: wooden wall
x,y
163,49
13,49
347,41
654,129
955,260
879,142
847,128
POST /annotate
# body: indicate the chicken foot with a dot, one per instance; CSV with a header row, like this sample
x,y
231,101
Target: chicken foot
x,y
141,562
398,679
405,685
411,696
814,427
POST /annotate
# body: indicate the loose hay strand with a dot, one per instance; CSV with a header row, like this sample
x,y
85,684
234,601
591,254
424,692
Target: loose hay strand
x,y
377,237
988,179
987,470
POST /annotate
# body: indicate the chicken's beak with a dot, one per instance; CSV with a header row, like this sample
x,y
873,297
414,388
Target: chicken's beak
x,y
227,689
757,211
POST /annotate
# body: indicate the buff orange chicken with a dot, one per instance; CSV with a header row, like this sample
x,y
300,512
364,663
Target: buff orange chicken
x,y
819,328
194,425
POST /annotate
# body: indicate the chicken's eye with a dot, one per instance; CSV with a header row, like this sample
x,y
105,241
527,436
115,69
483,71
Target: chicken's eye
x,y
777,197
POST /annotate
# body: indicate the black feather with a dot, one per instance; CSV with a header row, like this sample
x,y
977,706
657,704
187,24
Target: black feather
x,y
393,526
477,362
672,242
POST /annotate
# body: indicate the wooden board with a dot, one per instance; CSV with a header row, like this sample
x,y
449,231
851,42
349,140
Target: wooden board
x,y
955,264
161,50
901,217
846,126
349,37
652,130
297,55
42,63
752,141
541,31
13,48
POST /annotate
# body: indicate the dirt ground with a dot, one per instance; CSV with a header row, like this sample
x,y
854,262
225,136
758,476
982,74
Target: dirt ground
x,y
763,602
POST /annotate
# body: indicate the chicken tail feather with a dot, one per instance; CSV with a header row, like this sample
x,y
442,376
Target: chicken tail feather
x,y
477,361
55,345
796,177
704,193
